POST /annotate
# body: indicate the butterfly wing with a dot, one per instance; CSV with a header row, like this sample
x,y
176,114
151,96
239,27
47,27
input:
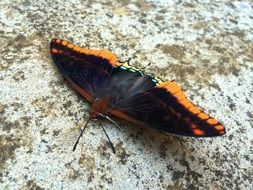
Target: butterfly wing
x,y
166,108
135,97
87,70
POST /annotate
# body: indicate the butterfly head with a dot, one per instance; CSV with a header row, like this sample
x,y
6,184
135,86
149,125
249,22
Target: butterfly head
x,y
99,107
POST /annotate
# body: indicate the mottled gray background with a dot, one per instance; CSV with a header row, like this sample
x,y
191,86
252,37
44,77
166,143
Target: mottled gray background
x,y
205,46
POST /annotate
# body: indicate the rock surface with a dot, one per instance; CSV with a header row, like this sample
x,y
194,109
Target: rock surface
x,y
206,47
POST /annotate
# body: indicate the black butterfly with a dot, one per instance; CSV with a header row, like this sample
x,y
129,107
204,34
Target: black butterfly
x,y
116,88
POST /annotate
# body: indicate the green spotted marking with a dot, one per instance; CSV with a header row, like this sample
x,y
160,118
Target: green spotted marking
x,y
126,66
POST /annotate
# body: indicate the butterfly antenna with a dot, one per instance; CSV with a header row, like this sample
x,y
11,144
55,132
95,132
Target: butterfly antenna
x,y
77,141
129,59
113,149
114,122
144,68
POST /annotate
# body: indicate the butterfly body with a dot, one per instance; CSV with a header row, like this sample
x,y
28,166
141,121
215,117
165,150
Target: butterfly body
x,y
122,86
118,89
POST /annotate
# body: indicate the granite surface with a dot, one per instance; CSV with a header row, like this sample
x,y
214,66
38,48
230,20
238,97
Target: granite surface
x,y
206,46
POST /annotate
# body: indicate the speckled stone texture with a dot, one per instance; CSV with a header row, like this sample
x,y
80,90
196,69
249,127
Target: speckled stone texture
x,y
205,46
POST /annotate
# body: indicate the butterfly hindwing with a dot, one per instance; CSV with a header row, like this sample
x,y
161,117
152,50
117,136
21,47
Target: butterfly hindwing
x,y
165,107
87,70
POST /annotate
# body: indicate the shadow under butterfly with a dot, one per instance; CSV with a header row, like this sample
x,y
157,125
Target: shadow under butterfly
x,y
116,88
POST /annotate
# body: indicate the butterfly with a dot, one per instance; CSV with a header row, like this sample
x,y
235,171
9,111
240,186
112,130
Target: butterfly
x,y
119,89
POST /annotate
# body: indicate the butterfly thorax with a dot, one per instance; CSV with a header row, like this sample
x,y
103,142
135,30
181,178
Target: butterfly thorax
x,y
99,107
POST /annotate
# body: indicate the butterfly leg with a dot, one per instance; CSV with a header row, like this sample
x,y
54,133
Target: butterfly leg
x,y
114,122
144,68
126,61
74,148
113,149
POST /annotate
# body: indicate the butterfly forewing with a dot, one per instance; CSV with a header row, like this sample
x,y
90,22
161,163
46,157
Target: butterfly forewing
x,y
87,70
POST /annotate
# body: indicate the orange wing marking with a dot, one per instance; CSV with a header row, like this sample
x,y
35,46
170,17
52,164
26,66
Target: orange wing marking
x,y
198,132
175,90
70,46
65,43
180,96
111,57
186,103
194,110
219,127
212,121
193,126
76,48
203,116
58,41
54,50
170,86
